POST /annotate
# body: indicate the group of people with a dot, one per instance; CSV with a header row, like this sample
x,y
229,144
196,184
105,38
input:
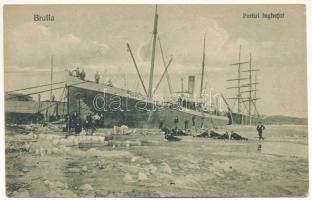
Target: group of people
x,y
232,135
87,123
260,128
82,75
73,122
186,123
79,74
226,136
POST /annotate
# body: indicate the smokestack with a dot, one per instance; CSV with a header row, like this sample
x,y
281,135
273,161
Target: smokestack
x,y
191,85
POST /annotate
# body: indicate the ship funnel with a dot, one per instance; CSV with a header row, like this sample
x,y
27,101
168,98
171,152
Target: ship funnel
x,y
191,85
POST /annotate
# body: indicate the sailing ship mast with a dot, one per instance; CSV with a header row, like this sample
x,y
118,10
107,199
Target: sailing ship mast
x,y
255,94
203,69
51,88
250,90
150,88
239,97
251,98
151,91
51,79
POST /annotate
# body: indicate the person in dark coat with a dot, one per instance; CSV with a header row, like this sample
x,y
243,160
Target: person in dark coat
x,y
78,128
82,75
74,119
193,121
161,124
176,121
76,123
97,77
90,124
260,129
186,124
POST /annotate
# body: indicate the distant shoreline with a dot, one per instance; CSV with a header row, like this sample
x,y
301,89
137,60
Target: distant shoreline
x,y
284,120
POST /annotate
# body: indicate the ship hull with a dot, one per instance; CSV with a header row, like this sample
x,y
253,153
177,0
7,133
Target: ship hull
x,y
119,107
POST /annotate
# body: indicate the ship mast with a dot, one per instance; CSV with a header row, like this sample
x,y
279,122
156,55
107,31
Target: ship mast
x,y
238,79
203,69
51,87
251,100
250,90
255,94
182,85
150,88
51,79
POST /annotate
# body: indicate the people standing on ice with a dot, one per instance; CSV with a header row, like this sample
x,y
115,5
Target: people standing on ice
x,y
78,128
186,124
82,75
161,124
76,123
86,124
176,121
89,124
76,72
193,121
97,77
260,129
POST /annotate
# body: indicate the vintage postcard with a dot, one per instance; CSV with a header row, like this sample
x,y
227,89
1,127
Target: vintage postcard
x,y
159,100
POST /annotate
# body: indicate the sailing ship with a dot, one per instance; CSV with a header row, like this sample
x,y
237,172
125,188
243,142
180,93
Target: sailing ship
x,y
246,113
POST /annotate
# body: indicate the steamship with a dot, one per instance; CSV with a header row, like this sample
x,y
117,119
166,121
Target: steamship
x,y
124,107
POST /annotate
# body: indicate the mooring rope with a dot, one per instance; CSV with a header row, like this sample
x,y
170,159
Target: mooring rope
x,y
8,92
12,97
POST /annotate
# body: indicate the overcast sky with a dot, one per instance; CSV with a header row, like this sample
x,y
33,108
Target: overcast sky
x,y
94,37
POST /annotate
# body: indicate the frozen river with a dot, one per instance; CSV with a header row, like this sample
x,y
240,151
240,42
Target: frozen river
x,y
142,164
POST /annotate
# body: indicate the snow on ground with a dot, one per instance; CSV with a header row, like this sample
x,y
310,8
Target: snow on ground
x,y
140,163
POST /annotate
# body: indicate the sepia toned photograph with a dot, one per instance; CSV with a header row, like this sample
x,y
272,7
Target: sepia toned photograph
x,y
145,100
